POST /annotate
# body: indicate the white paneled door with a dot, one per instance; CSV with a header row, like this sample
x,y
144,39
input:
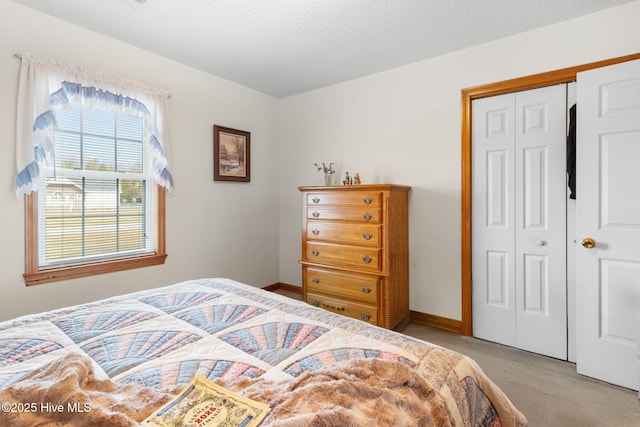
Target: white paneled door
x,y
519,220
493,219
608,223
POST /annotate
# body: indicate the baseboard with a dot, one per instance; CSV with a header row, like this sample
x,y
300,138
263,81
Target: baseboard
x,y
284,287
438,322
432,320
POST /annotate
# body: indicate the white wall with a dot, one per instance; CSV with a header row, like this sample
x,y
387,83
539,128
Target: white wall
x,y
403,127
213,228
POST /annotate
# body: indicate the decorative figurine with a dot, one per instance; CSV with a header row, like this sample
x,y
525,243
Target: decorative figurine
x,y
347,179
356,179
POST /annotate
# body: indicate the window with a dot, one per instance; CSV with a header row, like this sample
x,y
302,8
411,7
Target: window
x,y
99,203
95,184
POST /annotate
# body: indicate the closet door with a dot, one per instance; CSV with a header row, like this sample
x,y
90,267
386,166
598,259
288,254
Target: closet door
x,y
540,205
493,219
519,220
608,224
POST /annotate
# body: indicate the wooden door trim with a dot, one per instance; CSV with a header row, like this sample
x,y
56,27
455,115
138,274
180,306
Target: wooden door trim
x,y
565,75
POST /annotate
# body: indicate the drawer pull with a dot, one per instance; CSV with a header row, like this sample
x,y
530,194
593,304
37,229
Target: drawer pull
x,y
315,252
328,305
366,289
315,200
316,214
367,216
366,259
315,280
365,316
367,200
315,232
331,306
367,236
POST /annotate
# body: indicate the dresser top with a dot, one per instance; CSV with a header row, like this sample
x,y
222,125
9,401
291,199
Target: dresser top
x,y
393,187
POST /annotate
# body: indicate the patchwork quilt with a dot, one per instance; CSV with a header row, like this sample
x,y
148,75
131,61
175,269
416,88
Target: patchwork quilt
x,y
237,334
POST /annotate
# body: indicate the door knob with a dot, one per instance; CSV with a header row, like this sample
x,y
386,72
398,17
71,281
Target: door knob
x,y
588,242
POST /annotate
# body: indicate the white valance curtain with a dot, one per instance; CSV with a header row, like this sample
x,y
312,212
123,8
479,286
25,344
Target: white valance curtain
x,y
46,83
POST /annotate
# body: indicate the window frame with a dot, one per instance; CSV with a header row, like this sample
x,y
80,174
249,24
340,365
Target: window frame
x,y
34,274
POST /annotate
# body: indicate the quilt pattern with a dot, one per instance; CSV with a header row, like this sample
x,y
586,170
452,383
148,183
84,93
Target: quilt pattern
x,y
220,328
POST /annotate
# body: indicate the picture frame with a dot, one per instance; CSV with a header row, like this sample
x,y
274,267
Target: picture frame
x,y
231,154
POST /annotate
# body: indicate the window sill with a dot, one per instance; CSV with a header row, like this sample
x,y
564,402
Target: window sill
x,y
92,269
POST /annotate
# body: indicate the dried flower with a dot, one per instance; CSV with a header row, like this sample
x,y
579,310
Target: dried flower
x,y
326,169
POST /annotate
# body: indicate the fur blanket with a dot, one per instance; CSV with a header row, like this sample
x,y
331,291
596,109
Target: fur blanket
x,y
367,392
358,393
66,393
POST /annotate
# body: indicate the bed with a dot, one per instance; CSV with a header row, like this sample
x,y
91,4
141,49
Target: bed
x,y
113,362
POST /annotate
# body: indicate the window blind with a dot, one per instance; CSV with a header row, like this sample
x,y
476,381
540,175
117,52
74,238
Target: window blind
x,y
97,193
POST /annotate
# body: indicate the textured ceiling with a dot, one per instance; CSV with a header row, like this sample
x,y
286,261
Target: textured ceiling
x,y
284,47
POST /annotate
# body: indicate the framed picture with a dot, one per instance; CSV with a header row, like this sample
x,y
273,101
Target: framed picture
x,y
231,156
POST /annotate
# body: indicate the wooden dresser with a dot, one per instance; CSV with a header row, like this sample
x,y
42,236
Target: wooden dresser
x,y
355,251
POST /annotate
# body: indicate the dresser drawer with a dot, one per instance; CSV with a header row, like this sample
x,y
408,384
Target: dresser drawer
x,y
366,214
347,308
350,198
359,288
347,233
354,256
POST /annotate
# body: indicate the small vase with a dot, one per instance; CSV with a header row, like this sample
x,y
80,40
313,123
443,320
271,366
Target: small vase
x,y
328,179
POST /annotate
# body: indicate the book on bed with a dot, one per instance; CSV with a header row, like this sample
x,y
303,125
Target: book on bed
x,y
204,403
